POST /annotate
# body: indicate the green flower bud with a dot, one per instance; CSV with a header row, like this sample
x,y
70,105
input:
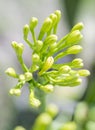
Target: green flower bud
x,y
81,113
64,69
21,77
42,122
77,63
47,88
19,128
11,72
15,91
53,18
39,45
78,26
33,23
35,58
47,65
50,39
74,49
18,47
34,102
28,76
52,110
69,126
58,13
26,31
46,25
83,72
77,82
73,37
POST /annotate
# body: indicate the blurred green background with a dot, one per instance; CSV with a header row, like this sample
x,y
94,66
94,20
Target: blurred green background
x,y
14,14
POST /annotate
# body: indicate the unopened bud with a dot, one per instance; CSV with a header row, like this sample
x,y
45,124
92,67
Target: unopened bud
x,y
76,82
74,49
19,128
33,23
35,58
18,47
74,37
83,72
15,91
28,76
77,63
64,69
53,18
11,72
34,102
58,13
26,31
78,26
52,110
50,39
39,45
47,88
21,77
46,25
47,65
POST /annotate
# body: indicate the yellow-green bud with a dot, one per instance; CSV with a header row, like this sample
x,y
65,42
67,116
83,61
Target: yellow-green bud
x,y
52,110
35,58
50,39
53,18
28,76
69,126
46,25
76,82
74,37
64,69
47,88
78,26
83,72
39,45
15,91
22,77
11,72
18,47
74,49
26,31
34,102
77,63
19,128
47,65
33,23
58,13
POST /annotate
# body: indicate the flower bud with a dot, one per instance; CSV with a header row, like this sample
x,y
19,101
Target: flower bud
x,y
34,102
15,91
47,88
83,72
33,23
26,31
77,63
58,13
39,45
18,47
73,37
42,122
19,128
35,58
47,65
52,110
21,77
74,49
69,126
11,72
53,18
64,69
50,39
76,82
78,26
46,25
28,76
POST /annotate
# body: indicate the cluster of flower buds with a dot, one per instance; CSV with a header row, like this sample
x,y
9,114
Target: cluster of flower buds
x,y
45,72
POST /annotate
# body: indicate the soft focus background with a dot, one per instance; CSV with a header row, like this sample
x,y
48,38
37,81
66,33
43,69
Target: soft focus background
x,y
14,14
